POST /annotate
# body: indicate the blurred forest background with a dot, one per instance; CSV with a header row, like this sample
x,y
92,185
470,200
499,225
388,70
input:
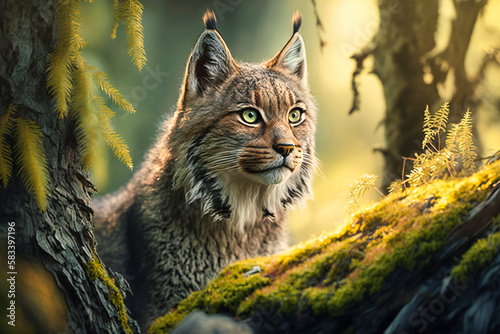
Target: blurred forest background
x,y
254,31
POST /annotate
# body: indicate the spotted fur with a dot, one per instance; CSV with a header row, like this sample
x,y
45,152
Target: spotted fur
x,y
214,188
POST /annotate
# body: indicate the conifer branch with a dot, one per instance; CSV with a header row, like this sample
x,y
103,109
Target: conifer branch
x,y
113,93
131,13
6,129
30,158
117,144
70,80
86,124
70,41
117,14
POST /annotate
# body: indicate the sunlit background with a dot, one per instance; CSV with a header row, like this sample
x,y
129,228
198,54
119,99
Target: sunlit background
x,y
255,31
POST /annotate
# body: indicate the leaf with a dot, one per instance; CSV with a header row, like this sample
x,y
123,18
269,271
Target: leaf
x,y
30,157
6,128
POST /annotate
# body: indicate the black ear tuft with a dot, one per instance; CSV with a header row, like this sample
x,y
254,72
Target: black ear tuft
x,y
210,20
297,21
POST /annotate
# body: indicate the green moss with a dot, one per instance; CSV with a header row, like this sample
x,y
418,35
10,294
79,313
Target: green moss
x,y
334,272
223,294
95,271
478,257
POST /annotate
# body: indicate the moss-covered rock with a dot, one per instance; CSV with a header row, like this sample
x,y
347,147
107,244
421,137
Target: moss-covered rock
x,y
360,280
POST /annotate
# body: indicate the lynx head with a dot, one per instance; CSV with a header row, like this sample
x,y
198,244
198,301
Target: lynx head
x,y
243,137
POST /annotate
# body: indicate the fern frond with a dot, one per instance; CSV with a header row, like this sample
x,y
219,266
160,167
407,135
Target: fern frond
x,y
434,124
111,91
428,132
362,184
117,144
441,118
30,157
6,129
86,122
466,143
131,13
451,139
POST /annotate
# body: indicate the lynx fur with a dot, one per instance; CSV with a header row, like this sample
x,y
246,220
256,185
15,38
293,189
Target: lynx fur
x,y
215,187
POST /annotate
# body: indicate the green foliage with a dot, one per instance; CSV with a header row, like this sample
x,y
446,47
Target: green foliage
x,y
71,80
6,129
358,189
130,11
332,274
436,162
29,154
435,124
30,157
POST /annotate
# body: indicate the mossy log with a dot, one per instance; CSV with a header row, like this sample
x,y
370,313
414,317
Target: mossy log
x,y
424,260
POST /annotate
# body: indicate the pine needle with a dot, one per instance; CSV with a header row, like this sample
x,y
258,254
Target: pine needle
x,y
117,143
59,73
86,122
6,128
30,157
115,95
131,13
117,14
59,81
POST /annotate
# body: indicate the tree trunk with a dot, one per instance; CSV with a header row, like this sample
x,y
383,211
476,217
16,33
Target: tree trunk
x,y
404,37
404,51
60,238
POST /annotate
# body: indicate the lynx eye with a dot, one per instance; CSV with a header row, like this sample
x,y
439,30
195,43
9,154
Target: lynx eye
x,y
295,116
250,116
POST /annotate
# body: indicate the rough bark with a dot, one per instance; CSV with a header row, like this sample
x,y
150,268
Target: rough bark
x,y
60,238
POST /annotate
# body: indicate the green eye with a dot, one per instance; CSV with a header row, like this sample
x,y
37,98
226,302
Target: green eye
x,y
295,115
250,116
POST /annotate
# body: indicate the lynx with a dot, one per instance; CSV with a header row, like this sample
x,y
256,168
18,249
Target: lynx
x,y
215,187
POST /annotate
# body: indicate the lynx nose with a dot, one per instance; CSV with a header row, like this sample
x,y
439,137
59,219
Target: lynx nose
x,y
284,149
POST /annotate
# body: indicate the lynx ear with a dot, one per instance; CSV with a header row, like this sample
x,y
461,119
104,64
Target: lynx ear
x,y
210,63
292,58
